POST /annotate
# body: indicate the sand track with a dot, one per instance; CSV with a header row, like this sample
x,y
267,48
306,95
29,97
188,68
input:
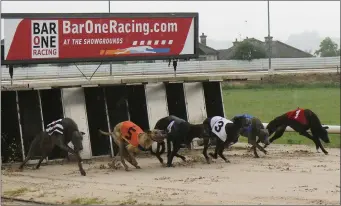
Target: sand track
x,y
287,175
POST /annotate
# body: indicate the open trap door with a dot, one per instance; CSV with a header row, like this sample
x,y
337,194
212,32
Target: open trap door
x,y
176,100
52,108
138,106
11,150
30,118
117,104
97,119
213,99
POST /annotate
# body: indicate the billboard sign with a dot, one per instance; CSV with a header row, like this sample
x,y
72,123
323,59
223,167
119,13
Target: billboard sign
x,y
53,38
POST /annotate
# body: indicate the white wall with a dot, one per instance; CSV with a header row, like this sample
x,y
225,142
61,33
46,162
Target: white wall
x,y
74,107
156,102
195,102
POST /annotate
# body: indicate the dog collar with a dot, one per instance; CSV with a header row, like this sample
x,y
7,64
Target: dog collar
x,y
141,148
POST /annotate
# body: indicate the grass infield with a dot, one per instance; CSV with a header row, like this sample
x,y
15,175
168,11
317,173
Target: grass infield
x,y
268,101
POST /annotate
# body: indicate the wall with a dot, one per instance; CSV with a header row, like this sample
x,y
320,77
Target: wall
x,y
47,71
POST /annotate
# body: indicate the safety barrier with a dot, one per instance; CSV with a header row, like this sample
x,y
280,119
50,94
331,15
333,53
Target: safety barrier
x,y
49,71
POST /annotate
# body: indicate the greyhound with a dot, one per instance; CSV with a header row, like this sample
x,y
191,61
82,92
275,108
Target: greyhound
x,y
60,133
252,131
130,138
300,120
225,132
180,132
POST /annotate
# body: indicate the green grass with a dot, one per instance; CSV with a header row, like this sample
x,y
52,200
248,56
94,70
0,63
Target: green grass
x,y
16,192
86,201
267,102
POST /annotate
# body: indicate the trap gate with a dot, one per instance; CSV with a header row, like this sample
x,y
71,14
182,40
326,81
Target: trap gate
x,y
102,108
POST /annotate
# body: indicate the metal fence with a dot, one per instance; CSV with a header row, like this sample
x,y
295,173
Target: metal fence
x,y
48,71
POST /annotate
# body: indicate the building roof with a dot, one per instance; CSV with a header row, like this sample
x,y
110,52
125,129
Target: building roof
x,y
206,50
279,50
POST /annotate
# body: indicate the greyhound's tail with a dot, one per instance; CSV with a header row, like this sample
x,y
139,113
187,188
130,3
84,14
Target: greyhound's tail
x,y
106,133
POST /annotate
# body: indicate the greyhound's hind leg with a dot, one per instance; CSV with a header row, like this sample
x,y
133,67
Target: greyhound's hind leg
x,y
33,147
317,142
122,156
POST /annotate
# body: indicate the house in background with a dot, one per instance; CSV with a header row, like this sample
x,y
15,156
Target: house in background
x,y
206,53
279,49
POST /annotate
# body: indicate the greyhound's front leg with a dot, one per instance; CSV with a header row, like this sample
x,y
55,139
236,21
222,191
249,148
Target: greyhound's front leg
x,y
41,159
215,154
176,148
158,153
279,132
131,159
220,153
252,141
204,152
66,148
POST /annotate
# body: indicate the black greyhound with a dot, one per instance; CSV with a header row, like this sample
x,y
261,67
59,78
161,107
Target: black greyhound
x,y
179,132
300,120
225,132
252,131
58,133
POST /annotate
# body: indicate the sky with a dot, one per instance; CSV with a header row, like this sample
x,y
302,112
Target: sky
x,y
219,20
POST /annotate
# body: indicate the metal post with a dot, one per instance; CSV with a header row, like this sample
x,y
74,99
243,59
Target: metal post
x,y
42,117
337,69
269,40
110,62
108,121
20,127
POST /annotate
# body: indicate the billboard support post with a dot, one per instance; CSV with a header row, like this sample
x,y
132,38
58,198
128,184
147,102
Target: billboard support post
x,y
110,62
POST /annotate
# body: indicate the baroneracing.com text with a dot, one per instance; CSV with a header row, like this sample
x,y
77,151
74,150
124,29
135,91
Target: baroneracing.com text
x,y
113,26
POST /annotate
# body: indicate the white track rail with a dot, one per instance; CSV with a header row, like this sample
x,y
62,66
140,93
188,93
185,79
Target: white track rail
x,y
333,129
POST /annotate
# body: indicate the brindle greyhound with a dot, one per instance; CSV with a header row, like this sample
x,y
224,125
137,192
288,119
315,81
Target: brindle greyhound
x,y
225,132
131,138
179,132
300,120
58,133
254,130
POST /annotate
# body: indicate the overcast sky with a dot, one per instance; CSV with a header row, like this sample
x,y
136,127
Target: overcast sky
x,y
220,20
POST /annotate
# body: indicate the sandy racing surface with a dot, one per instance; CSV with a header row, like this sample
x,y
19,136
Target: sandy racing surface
x,y
287,175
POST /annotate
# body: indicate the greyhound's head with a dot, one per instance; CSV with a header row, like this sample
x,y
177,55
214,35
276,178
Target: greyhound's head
x,y
147,138
77,139
323,134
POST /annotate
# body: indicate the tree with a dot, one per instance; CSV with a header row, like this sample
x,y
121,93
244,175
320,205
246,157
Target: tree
x,y
328,48
245,50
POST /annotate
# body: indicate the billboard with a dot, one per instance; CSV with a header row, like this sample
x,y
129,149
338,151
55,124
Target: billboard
x,y
53,38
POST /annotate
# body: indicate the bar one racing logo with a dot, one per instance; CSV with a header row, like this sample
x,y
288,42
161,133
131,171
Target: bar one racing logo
x,y
45,42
